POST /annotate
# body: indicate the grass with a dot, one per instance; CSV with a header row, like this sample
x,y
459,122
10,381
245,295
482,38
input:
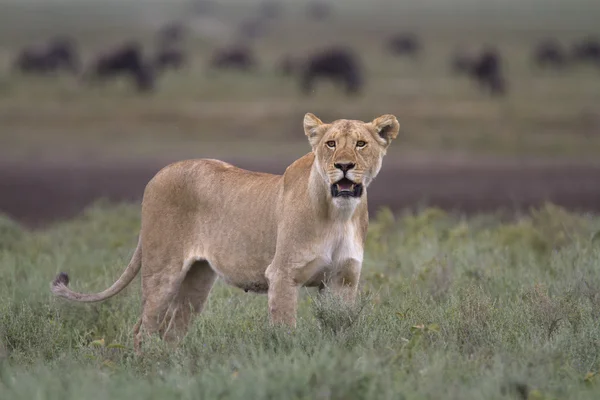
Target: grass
x,y
490,306
194,113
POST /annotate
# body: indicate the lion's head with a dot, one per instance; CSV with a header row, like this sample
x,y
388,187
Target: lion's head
x,y
349,153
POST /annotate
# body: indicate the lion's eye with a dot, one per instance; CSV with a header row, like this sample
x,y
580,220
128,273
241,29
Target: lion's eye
x,y
330,144
361,143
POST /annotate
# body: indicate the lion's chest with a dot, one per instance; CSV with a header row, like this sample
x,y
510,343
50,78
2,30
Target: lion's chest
x,y
342,243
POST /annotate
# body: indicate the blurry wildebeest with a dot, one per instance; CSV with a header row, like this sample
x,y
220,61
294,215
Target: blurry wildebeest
x,y
338,64
587,50
60,54
235,57
126,60
169,57
404,44
485,68
549,53
319,10
270,9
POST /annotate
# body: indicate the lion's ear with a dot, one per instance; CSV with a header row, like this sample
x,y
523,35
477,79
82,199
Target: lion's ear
x,y
386,128
311,128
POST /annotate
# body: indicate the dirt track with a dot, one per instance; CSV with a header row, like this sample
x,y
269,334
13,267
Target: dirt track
x,y
41,194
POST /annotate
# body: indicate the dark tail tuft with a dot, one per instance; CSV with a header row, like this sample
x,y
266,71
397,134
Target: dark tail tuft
x,y
61,279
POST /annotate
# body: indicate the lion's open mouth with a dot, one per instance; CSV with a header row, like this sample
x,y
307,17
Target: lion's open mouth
x,y
346,188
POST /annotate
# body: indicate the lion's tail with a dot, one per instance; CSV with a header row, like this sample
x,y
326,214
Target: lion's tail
x,y
60,284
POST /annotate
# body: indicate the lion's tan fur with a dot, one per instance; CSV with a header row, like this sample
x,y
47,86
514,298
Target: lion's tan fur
x,y
203,219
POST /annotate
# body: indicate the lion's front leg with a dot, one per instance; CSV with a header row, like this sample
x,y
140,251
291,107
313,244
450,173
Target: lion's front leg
x,y
344,283
283,295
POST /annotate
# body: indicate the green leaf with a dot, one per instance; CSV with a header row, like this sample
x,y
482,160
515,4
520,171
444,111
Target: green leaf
x,y
109,364
116,346
589,377
98,343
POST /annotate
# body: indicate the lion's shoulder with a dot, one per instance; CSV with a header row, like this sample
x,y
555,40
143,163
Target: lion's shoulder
x,y
298,169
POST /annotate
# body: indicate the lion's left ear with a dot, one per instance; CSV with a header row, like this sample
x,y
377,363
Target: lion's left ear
x,y
386,128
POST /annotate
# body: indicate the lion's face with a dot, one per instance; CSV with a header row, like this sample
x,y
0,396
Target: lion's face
x,y
349,153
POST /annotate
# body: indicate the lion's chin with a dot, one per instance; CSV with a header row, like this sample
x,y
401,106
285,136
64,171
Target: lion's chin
x,y
345,188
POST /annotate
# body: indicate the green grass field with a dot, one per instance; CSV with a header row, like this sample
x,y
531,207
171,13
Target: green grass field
x,y
194,113
489,306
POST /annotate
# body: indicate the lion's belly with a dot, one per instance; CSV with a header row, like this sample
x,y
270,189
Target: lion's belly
x,y
241,258
255,286
247,279
246,273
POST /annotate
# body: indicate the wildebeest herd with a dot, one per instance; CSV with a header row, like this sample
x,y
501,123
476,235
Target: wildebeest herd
x,y
127,59
339,64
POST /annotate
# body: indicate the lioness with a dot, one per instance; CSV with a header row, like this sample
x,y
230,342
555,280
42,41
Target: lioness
x,y
260,232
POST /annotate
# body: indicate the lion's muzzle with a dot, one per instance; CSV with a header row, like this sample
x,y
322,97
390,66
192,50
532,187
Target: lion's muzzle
x,y
346,188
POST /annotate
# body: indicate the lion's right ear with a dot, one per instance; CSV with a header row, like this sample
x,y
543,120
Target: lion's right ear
x,y
311,128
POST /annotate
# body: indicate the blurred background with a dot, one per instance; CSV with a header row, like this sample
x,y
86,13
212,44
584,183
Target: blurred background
x,y
498,100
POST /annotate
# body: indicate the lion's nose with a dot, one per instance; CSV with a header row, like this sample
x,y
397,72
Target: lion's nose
x,y
344,167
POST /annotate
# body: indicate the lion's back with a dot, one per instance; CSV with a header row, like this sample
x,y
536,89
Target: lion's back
x,y
208,184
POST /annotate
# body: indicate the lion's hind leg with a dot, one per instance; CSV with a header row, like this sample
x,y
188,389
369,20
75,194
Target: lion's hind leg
x,y
191,298
158,291
170,301
137,337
